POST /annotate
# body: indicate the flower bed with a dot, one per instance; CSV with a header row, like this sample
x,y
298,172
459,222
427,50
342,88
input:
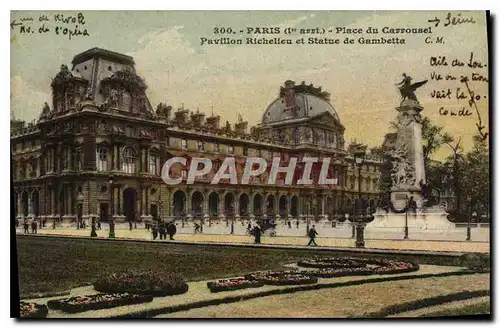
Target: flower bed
x,y
33,310
142,283
359,267
334,263
97,302
223,285
282,278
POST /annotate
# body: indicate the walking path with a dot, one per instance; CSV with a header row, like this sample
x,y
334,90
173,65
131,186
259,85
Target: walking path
x,y
415,245
340,302
198,292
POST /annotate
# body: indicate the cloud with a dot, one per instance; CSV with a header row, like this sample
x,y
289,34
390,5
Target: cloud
x,y
26,102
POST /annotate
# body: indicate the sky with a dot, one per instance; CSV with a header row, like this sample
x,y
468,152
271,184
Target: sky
x,y
245,79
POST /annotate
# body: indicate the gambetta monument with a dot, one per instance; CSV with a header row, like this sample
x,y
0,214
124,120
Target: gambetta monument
x,y
409,189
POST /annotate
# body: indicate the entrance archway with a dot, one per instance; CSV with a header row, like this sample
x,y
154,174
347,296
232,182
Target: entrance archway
x,y
229,205
130,204
197,204
257,204
213,204
270,205
283,206
294,206
244,201
179,204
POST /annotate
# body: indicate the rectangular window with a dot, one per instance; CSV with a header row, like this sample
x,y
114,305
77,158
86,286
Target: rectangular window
x,y
201,145
230,149
216,148
184,144
153,160
102,159
79,160
245,150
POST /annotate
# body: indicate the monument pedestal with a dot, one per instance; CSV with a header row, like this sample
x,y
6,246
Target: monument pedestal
x,y
430,219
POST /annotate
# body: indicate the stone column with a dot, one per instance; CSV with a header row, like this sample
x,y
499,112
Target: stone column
x,y
120,198
20,213
53,201
222,208
251,214
188,209
289,207
30,205
277,206
116,201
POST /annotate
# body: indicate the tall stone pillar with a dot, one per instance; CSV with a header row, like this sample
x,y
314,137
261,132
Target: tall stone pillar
x,y
20,212
120,198
116,201
30,205
408,162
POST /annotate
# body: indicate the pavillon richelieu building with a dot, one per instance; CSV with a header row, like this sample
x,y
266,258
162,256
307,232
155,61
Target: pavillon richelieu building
x,y
99,149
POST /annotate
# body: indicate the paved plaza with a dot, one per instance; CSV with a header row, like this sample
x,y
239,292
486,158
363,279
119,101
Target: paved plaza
x,y
342,239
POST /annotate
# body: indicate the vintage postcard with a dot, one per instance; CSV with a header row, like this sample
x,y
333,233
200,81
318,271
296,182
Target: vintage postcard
x,y
250,164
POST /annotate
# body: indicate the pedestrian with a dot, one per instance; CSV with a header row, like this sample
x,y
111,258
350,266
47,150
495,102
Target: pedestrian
x,y
312,235
26,227
130,225
161,230
99,224
154,230
197,227
297,224
33,226
289,224
257,233
172,230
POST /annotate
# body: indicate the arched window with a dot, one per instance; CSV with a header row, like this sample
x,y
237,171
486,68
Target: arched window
x,y
153,163
128,160
126,101
102,159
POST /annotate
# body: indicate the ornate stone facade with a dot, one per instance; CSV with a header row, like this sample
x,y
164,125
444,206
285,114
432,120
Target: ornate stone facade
x,y
99,151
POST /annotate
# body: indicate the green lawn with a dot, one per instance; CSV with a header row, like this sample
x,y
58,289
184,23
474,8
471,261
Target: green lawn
x,y
56,264
51,264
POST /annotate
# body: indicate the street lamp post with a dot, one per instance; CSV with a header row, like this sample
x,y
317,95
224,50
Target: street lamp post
x,y
474,215
406,218
359,159
110,217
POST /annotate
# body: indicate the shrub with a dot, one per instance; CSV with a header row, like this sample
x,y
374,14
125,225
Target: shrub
x,y
476,261
149,282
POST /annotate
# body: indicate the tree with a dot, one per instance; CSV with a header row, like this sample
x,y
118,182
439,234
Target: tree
x,y
433,138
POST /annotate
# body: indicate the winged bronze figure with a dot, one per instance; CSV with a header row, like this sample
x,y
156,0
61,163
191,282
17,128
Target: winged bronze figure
x,y
407,89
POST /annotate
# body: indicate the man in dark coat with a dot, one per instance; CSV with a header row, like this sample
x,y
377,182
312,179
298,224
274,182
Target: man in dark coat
x,y
25,226
312,234
154,230
172,230
33,226
161,230
257,233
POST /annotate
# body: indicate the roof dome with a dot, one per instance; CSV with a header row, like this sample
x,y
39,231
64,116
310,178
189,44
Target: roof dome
x,y
298,102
